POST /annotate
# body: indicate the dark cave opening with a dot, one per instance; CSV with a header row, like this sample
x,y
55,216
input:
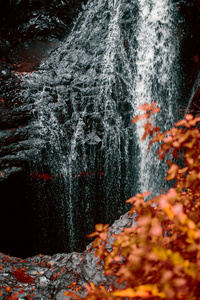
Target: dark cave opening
x,y
16,229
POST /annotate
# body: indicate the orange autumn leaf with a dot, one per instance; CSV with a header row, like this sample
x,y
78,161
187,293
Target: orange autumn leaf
x,y
180,123
72,294
147,107
155,110
189,117
145,116
13,297
144,107
136,119
131,293
99,227
171,173
152,105
8,289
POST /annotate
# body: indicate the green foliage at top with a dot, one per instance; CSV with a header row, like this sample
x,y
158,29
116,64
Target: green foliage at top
x,y
160,257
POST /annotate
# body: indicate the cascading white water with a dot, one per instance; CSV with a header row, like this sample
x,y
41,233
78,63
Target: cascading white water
x,y
119,55
156,79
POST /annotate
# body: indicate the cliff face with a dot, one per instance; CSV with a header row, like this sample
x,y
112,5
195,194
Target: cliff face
x,y
190,50
26,21
29,31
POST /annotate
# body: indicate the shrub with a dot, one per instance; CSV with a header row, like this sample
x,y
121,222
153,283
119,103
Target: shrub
x,y
160,257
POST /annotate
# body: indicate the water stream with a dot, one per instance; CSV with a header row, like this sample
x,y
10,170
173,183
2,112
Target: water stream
x,y
157,79
119,55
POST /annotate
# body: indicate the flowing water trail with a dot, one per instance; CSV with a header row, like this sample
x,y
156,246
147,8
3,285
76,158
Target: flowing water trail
x,y
119,55
156,79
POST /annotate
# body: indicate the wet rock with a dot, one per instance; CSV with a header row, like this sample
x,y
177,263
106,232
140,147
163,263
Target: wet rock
x,y
29,31
60,296
48,274
11,118
39,297
93,139
43,282
25,21
53,275
5,74
4,173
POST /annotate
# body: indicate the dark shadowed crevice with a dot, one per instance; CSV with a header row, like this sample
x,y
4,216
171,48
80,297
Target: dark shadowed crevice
x,y
16,219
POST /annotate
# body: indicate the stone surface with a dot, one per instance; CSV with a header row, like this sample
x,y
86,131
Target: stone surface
x,y
50,276
53,275
29,31
33,20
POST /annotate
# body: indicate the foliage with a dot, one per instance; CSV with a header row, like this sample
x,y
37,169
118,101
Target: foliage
x,y
160,258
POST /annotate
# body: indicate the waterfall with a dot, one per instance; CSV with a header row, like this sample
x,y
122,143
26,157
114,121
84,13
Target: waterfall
x,y
119,55
156,79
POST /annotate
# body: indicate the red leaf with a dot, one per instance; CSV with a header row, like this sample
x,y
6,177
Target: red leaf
x,y
171,173
99,227
144,107
41,176
175,153
135,119
152,105
145,194
13,297
180,123
21,276
145,116
155,110
189,117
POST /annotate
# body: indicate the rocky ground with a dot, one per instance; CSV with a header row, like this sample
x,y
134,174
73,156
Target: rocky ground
x,y
48,277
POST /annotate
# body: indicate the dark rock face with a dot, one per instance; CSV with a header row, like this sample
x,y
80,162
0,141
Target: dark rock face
x,y
14,129
190,46
28,31
28,20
